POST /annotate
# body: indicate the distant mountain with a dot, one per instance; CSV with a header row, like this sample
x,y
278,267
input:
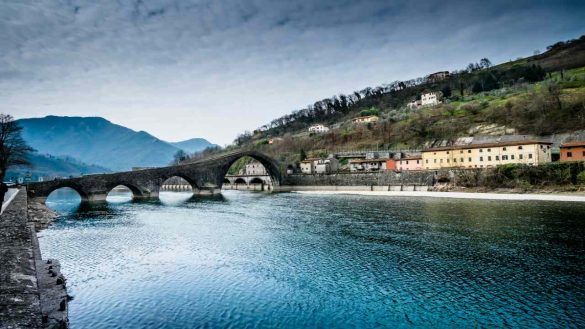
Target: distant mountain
x,y
193,145
48,166
96,140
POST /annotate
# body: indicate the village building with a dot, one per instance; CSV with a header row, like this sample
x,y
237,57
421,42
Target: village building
x,y
573,151
438,76
411,162
357,165
308,165
487,155
318,128
326,166
429,99
254,168
365,119
415,104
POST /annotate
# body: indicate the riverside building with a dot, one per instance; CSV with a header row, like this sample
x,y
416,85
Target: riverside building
x,y
573,151
487,155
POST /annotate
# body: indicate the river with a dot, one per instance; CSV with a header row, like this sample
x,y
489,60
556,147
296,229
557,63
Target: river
x,y
290,260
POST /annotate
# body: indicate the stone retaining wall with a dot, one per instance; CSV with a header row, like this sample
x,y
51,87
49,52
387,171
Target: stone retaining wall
x,y
32,291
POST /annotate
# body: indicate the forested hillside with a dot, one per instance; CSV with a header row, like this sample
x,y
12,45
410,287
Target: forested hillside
x,y
542,94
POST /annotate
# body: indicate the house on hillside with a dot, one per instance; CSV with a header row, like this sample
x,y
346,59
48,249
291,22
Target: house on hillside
x,y
438,76
318,128
429,99
365,119
415,104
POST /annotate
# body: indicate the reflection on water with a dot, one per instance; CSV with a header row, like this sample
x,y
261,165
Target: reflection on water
x,y
290,260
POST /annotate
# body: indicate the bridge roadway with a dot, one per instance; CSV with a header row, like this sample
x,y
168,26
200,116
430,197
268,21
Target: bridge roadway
x,y
206,176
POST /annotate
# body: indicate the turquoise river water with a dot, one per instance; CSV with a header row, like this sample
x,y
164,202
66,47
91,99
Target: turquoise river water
x,y
291,260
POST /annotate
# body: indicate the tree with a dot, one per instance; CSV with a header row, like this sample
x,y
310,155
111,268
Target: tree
x,y
446,91
303,155
485,63
13,149
179,156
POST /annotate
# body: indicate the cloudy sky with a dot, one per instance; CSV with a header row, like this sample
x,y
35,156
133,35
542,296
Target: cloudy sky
x,y
214,68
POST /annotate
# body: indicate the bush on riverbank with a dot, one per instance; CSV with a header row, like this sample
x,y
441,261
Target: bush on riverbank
x,y
523,176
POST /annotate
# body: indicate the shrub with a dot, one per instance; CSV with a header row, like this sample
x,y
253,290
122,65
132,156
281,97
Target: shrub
x,y
581,178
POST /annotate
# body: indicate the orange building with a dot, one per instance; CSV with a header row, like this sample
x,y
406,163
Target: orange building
x,y
573,151
390,164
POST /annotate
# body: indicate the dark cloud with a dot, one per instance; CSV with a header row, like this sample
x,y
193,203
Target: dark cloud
x,y
214,68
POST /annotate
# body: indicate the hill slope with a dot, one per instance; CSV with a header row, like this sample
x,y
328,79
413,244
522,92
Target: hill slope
x,y
49,166
96,140
193,145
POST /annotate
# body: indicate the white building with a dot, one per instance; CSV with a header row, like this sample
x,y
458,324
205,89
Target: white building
x,y
255,168
326,166
430,99
318,128
414,104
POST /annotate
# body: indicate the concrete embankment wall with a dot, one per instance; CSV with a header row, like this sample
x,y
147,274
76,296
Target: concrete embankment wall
x,y
370,181
32,290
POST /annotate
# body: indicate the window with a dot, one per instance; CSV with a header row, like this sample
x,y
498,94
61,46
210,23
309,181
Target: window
x,y
406,161
468,151
490,158
447,160
569,154
584,153
417,162
455,160
489,150
447,152
441,160
480,158
504,157
427,160
512,156
481,150
434,153
461,151
497,157
435,160
529,155
503,148
469,159
521,156
462,160
520,147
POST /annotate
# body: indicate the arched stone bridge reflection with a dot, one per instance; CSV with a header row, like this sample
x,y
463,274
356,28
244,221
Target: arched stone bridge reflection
x,y
205,176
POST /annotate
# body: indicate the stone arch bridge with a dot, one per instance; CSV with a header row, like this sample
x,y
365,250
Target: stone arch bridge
x,y
205,177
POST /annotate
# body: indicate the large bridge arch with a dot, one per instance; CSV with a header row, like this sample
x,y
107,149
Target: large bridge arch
x,y
270,164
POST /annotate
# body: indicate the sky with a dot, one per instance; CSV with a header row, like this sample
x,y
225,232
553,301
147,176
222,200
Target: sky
x,y
180,69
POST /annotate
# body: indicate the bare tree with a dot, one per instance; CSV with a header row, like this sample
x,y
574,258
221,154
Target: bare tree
x,y
13,148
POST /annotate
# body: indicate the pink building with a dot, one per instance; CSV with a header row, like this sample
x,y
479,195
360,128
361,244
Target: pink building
x,y
413,162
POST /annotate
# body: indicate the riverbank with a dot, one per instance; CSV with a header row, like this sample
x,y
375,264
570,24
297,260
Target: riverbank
x,y
32,290
457,195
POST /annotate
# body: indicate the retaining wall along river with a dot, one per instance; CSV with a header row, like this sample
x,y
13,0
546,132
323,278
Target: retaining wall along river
x,y
32,290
